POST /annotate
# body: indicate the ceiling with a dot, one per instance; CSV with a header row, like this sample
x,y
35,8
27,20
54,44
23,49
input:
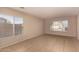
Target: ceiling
x,y
49,12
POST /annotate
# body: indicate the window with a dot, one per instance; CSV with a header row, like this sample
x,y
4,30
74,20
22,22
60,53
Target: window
x,y
59,25
18,22
10,25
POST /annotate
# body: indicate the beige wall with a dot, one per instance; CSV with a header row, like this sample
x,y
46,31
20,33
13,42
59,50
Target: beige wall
x,y
32,27
72,28
78,27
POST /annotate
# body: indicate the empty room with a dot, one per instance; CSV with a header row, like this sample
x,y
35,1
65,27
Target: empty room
x,y
39,29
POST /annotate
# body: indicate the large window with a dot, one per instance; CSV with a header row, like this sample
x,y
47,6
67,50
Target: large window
x,y
59,25
10,25
18,22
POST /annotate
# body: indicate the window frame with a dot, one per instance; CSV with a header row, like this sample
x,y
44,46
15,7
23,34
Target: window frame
x,y
60,19
13,25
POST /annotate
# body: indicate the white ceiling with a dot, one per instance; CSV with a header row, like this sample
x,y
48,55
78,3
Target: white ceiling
x,y
48,12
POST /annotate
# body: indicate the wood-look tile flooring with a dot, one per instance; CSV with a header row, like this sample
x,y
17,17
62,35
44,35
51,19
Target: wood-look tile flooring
x,y
45,43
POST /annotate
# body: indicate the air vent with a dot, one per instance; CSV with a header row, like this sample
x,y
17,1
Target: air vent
x,y
22,7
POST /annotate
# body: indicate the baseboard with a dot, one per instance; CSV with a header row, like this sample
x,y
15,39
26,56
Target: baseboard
x,y
61,36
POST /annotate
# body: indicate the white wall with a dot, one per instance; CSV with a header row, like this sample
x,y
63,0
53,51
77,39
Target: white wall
x,y
33,27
